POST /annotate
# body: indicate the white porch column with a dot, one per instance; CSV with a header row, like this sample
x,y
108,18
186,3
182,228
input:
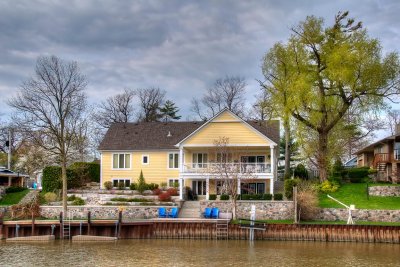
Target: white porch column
x,y
238,187
180,188
207,188
181,162
272,156
271,186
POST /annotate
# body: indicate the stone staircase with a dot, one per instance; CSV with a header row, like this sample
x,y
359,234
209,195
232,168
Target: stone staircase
x,y
190,209
29,197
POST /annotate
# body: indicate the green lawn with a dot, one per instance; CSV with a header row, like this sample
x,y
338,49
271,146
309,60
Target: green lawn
x,y
13,198
356,194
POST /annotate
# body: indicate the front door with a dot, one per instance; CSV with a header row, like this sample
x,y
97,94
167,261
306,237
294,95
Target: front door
x,y
199,187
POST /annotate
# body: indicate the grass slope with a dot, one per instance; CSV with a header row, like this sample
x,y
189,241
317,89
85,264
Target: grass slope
x,y
357,194
13,198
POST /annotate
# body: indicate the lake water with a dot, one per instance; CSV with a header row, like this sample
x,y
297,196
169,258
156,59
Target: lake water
x,y
198,253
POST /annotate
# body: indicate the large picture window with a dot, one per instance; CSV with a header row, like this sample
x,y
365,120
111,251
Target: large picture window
x,y
121,161
173,160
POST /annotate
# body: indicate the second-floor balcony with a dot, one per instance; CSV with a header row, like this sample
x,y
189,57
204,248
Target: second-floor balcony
x,y
239,167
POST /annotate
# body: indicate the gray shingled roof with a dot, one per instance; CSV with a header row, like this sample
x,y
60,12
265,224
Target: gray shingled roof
x,y
154,135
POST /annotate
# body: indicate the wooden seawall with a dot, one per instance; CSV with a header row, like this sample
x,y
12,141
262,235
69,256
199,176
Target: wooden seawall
x,y
206,229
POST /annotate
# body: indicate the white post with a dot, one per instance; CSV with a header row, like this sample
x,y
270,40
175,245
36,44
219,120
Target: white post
x,y
180,188
271,186
207,188
181,163
272,156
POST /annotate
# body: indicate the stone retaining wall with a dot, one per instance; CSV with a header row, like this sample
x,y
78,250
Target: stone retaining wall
x,y
384,191
359,215
103,212
265,210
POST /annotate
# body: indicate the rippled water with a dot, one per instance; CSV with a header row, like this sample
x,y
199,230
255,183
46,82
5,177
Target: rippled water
x,y
198,253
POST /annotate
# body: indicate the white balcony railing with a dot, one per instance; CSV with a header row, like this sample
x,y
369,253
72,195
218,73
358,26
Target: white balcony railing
x,y
240,167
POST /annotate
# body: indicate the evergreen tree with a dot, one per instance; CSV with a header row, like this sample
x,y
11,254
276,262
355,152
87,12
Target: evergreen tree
x,y
141,185
169,111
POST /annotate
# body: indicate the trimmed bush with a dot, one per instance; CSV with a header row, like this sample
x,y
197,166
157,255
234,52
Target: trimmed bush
x,y
50,197
164,197
14,189
357,175
301,172
267,197
289,184
172,191
108,185
224,197
278,196
212,197
51,179
121,185
252,197
78,202
71,198
152,186
133,186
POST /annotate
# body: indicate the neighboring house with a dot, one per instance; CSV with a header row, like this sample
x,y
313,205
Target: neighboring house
x,y
10,178
384,156
181,152
351,163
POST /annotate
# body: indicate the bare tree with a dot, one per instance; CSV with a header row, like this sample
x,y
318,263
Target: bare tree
x,y
392,120
49,108
229,172
118,108
228,92
150,100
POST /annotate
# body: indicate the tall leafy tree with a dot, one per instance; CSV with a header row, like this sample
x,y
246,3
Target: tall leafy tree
x,y
169,111
150,101
49,109
333,69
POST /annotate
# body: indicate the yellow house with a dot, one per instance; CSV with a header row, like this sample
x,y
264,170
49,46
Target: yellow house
x,y
186,153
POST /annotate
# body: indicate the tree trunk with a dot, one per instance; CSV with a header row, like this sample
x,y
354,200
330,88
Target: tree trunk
x,y
64,184
234,207
322,155
286,127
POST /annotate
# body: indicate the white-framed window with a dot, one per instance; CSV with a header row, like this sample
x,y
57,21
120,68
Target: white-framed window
x,y
173,182
224,157
121,161
173,160
145,159
125,181
200,160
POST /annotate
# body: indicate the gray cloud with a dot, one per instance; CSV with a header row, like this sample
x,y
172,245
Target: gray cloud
x,y
180,46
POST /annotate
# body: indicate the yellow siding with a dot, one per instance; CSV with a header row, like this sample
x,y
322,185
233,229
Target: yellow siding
x,y
237,132
225,116
155,172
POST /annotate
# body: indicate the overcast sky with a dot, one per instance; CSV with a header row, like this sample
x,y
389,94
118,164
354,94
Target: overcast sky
x,y
179,46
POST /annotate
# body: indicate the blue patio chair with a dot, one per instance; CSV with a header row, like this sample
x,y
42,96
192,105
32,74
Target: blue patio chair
x,y
162,212
173,213
207,213
214,213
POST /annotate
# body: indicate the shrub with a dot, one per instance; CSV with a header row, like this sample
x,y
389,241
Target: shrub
x,y
357,175
212,197
252,197
301,172
224,197
50,197
307,201
78,202
289,184
71,198
51,179
108,185
328,187
141,184
121,185
133,186
163,185
267,197
164,196
278,196
172,191
156,191
176,184
14,189
151,186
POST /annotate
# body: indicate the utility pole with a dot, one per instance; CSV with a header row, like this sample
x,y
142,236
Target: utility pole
x,y
9,149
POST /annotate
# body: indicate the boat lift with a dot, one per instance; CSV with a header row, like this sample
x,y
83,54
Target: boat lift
x,y
349,208
253,225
